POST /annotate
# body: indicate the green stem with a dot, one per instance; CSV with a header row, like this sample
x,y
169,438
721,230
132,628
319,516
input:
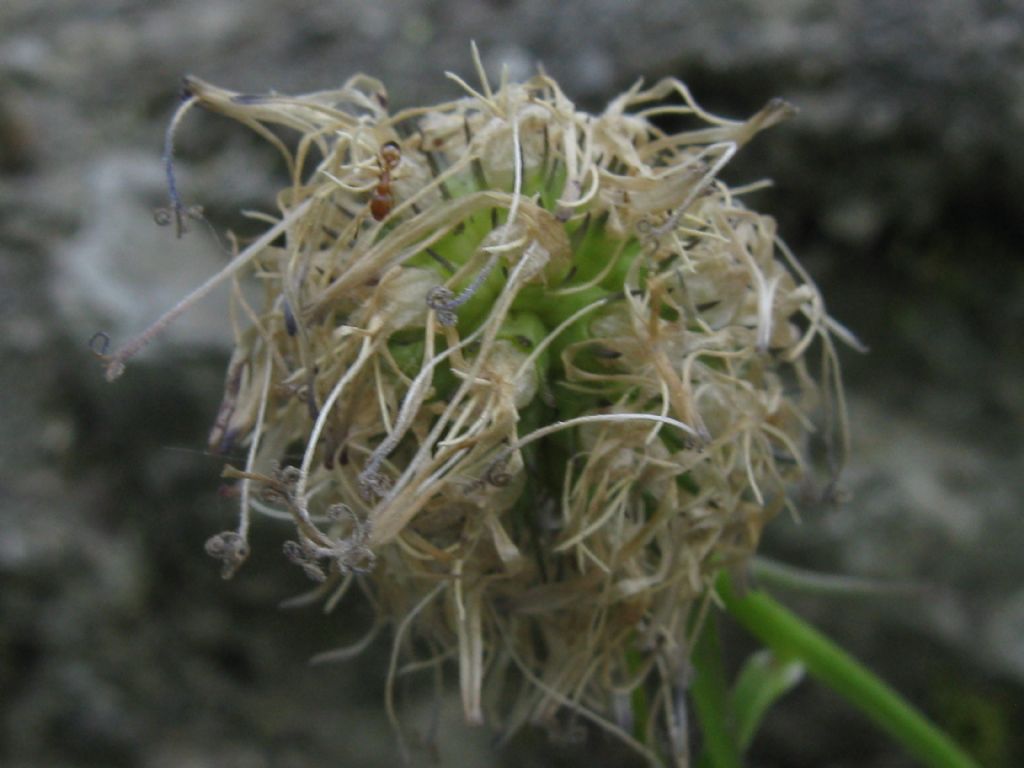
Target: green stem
x,y
711,701
638,698
791,637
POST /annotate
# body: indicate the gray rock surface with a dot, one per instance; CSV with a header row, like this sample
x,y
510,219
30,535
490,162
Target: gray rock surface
x,y
899,184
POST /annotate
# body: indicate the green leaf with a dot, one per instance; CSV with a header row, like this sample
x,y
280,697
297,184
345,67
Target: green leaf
x,y
764,679
791,637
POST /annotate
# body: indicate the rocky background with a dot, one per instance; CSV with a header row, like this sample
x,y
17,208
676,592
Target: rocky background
x,y
899,184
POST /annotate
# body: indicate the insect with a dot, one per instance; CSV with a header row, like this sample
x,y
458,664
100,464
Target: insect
x,y
383,198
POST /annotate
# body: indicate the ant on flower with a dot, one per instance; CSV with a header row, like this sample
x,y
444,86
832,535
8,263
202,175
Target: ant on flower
x,y
383,197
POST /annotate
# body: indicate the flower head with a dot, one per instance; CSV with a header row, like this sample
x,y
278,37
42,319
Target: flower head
x,y
548,364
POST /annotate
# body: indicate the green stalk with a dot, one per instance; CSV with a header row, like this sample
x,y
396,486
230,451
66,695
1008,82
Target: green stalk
x,y
711,701
791,637
638,698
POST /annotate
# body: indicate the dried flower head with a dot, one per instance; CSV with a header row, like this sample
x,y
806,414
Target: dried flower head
x,y
547,374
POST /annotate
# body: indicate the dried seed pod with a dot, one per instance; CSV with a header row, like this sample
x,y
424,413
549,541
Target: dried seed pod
x,y
569,383
230,548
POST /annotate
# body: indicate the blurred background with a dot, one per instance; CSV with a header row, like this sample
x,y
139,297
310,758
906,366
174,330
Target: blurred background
x,y
899,185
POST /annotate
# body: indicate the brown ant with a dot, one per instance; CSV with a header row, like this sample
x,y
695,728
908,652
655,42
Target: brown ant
x,y
383,198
